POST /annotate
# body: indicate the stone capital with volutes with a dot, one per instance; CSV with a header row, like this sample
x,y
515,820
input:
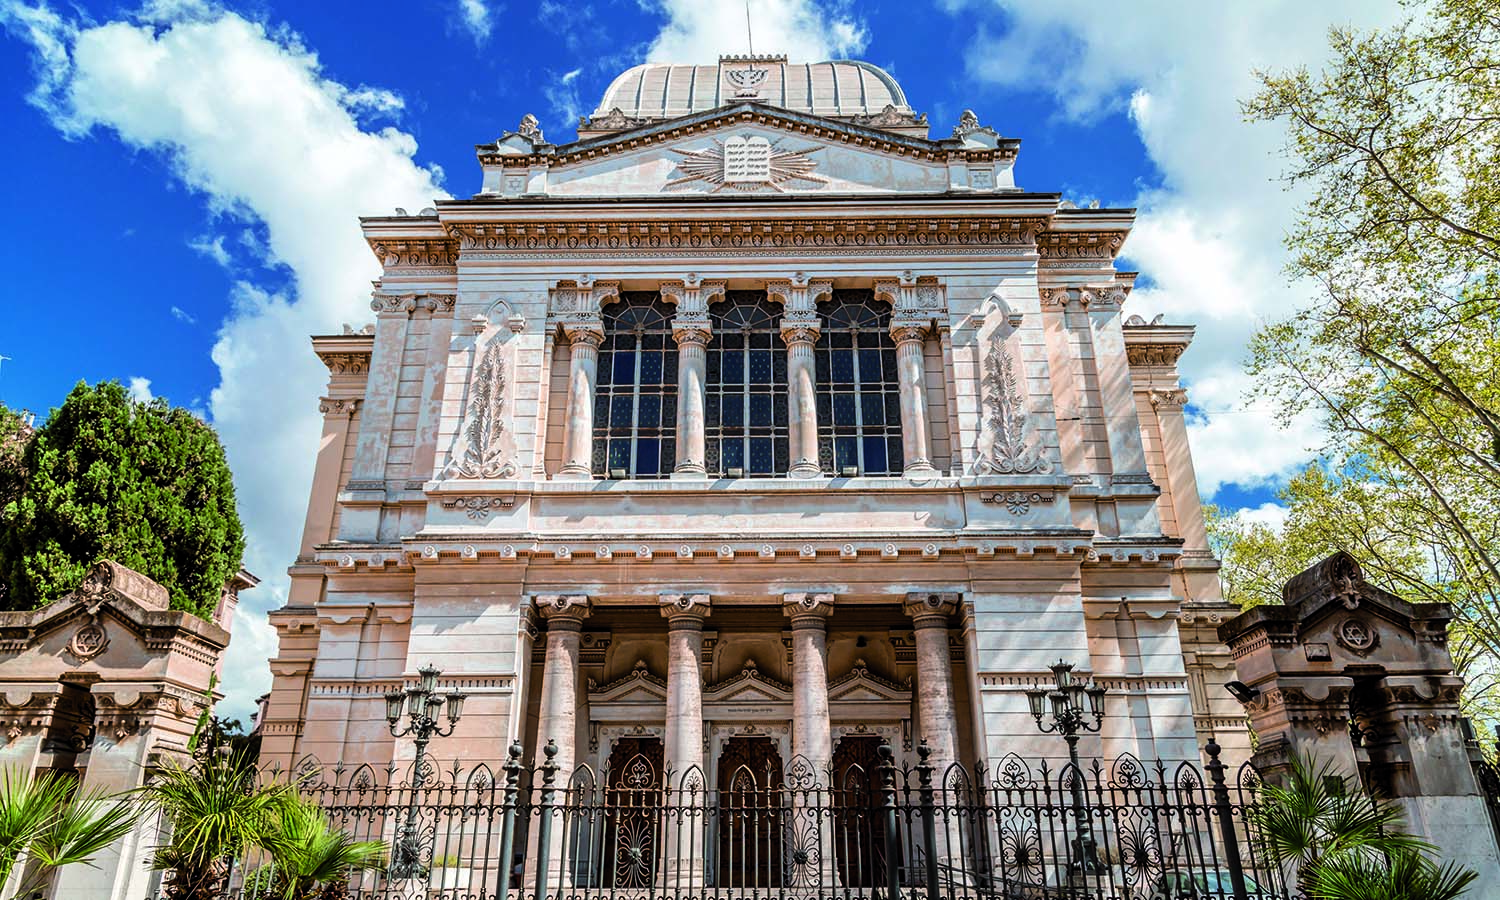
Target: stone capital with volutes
x,y
338,406
930,609
807,610
684,610
910,329
692,295
799,294
586,332
562,611
800,329
692,329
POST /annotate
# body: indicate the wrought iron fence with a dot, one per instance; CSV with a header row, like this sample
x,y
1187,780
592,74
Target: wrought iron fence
x,y
1011,831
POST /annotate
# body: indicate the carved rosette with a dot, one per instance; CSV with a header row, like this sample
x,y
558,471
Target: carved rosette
x,y
684,610
1012,452
486,451
807,610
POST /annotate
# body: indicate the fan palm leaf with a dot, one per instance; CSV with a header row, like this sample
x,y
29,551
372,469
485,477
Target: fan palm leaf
x,y
44,818
1407,875
308,853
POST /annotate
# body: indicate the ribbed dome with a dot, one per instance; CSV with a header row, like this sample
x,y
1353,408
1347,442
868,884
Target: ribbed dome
x,y
838,88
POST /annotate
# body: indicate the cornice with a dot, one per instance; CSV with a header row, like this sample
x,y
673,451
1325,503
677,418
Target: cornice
x,y
478,240
1055,244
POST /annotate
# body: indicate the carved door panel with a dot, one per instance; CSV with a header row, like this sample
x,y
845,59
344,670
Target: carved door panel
x,y
750,814
633,803
858,821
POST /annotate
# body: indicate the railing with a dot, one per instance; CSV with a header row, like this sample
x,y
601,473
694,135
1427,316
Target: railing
x,y
1012,831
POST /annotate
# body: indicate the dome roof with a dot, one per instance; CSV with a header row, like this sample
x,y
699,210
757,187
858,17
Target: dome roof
x,y
838,88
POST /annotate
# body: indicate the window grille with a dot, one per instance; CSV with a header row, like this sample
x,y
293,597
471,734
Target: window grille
x,y
746,408
859,400
635,401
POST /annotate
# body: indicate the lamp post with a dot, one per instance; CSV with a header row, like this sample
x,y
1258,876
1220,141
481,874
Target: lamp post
x,y
1069,720
422,704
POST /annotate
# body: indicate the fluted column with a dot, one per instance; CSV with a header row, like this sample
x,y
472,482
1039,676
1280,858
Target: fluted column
x,y
583,366
692,335
930,613
800,335
911,370
686,836
812,736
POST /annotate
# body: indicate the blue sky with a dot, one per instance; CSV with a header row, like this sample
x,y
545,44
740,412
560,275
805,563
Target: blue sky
x,y
186,178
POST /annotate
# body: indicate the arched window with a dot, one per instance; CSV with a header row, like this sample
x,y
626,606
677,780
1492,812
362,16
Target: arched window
x,y
746,387
859,403
635,402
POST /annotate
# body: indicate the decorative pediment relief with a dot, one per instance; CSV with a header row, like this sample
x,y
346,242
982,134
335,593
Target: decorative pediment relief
x,y
859,683
638,686
748,686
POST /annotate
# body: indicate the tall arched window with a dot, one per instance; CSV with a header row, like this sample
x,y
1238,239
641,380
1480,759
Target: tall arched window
x,y
746,387
635,401
859,401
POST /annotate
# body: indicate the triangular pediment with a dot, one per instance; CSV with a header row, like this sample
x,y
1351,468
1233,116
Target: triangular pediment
x,y
636,686
860,684
749,686
752,149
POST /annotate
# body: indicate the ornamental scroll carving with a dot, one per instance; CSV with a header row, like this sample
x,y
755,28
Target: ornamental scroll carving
x,y
1012,451
487,445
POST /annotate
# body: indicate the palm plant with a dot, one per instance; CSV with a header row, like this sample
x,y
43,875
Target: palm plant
x,y
44,821
1406,875
215,810
1324,826
310,858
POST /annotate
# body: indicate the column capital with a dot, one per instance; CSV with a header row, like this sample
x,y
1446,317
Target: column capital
x,y
1175,397
807,608
691,329
798,294
684,610
930,609
800,329
584,332
903,330
339,406
692,295
562,609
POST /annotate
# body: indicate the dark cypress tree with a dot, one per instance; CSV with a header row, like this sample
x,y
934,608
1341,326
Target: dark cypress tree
x,y
144,484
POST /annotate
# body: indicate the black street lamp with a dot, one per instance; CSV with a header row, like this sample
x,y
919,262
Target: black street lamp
x,y
1069,720
422,705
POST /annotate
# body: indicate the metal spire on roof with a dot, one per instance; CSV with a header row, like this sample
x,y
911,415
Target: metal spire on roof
x,y
749,34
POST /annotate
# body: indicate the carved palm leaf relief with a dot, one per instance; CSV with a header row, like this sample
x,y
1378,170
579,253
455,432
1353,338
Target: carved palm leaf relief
x,y
484,434
1005,417
745,163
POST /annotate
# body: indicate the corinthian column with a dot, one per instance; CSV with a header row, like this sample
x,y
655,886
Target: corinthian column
x,y
911,369
583,365
800,334
686,834
692,335
937,723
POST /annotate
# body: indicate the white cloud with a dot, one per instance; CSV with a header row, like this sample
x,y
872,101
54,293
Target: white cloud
x,y
184,316
476,19
805,30
213,248
1209,237
140,389
1271,515
245,117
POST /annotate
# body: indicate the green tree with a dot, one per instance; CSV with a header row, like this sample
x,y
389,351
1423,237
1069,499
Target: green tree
x,y
144,484
46,824
14,435
1397,146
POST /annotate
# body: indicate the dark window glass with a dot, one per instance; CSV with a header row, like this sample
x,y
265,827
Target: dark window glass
x,y
745,414
635,406
859,401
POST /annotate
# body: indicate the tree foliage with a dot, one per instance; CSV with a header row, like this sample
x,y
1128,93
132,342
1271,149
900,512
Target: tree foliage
x,y
1397,143
144,484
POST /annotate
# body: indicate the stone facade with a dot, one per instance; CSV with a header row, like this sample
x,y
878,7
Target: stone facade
x,y
762,426
104,683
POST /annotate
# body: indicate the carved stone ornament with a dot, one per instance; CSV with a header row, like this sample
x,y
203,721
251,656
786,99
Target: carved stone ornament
x,y
798,606
689,605
746,163
968,123
574,606
478,508
1355,635
890,117
531,127
614,120
1012,452
1017,502
88,641
485,454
